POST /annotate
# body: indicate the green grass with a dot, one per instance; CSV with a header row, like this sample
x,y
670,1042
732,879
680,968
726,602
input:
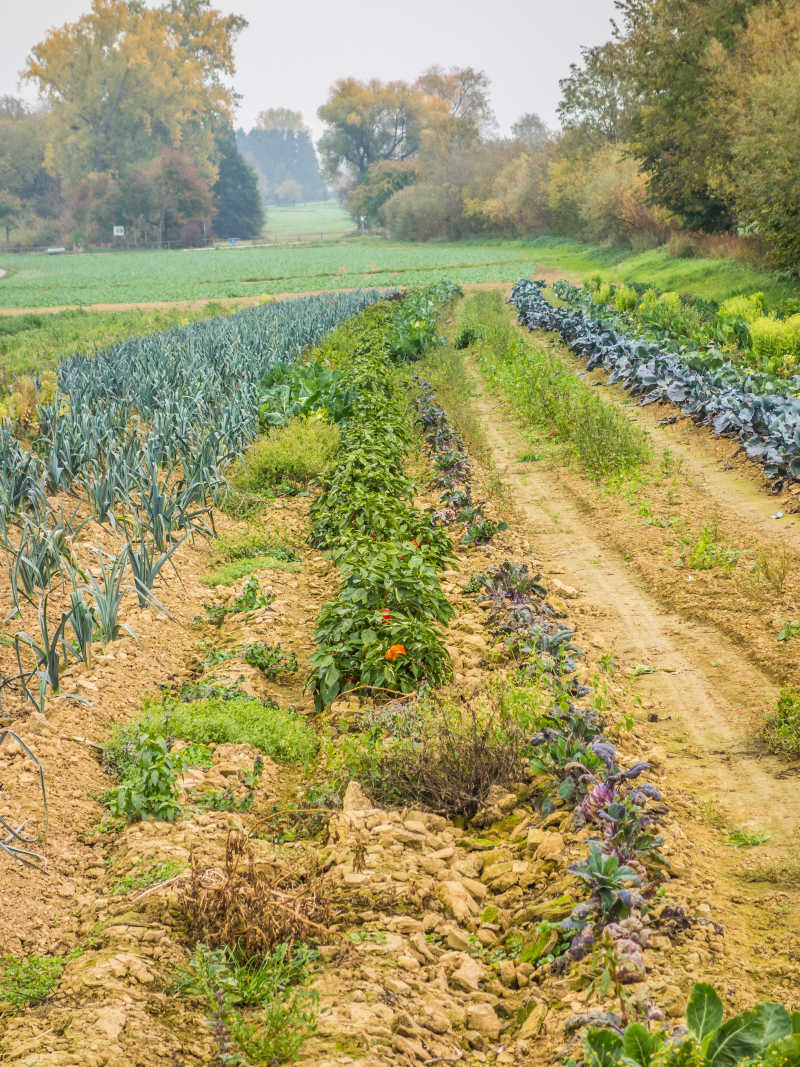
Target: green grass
x,y
782,730
143,876
711,279
543,389
282,734
228,573
321,218
256,542
258,549
29,981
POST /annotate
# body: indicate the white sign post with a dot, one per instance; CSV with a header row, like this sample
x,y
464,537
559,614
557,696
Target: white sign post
x,y
119,231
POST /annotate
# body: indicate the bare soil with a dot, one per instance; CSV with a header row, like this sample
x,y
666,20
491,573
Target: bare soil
x,y
406,976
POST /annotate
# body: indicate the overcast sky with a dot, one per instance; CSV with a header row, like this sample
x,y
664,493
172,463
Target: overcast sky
x,y
292,52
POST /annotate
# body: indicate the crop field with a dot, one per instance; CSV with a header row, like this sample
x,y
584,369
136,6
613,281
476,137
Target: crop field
x,y
208,274
399,676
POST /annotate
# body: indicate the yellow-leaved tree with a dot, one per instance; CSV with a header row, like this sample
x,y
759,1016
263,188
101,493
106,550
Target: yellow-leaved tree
x,y
124,82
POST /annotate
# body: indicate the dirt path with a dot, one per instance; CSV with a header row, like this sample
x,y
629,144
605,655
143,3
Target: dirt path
x,y
715,464
704,693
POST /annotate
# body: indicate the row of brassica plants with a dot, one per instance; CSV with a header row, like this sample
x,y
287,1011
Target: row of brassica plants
x,y
753,407
741,327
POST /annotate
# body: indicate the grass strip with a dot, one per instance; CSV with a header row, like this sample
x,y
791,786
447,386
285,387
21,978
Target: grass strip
x,y
544,390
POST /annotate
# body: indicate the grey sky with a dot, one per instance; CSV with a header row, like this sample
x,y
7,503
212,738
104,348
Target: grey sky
x,y
293,51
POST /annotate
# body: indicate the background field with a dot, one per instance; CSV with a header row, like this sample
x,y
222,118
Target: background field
x,y
326,217
211,274
126,277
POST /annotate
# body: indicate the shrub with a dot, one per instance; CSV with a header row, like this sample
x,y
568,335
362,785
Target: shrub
x,y
748,308
297,453
769,338
782,730
282,734
442,757
420,212
682,246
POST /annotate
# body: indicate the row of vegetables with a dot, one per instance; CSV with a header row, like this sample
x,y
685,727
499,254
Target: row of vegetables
x,y
574,766
141,434
383,635
714,391
765,341
182,402
383,631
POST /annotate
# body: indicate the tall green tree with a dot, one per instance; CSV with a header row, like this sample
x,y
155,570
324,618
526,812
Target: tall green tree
x,y
237,201
757,99
674,128
280,149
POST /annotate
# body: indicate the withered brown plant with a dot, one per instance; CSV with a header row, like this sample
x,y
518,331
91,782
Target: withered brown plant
x,y
251,907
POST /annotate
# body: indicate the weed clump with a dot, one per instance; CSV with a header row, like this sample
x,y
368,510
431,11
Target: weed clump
x,y
295,454
545,391
781,731
281,734
286,1015
29,981
442,757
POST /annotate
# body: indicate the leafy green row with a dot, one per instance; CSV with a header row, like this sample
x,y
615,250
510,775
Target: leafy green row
x,y
765,1036
383,630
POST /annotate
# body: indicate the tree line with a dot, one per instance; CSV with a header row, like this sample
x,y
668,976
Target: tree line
x,y
684,122
135,129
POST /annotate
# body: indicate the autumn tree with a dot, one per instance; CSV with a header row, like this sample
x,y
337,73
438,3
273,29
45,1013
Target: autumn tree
x,y
658,59
126,81
288,192
368,122
384,179
757,101
280,118
23,140
465,93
